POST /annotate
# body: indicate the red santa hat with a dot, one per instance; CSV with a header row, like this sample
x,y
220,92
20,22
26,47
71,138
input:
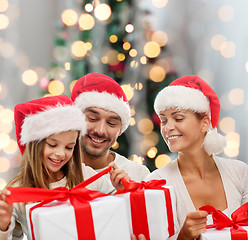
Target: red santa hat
x,y
99,90
38,119
192,93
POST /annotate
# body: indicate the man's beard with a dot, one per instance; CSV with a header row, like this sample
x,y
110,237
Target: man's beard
x,y
93,153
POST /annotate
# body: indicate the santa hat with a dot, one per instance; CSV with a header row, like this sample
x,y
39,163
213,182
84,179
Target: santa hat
x,y
38,119
99,90
192,93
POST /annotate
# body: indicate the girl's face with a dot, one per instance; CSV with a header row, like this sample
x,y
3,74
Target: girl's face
x,y
58,150
182,130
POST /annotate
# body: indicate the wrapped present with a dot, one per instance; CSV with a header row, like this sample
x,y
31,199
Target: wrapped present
x,y
151,208
76,213
225,228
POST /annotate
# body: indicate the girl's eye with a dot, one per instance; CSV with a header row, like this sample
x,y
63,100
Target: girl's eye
x,y
69,148
51,145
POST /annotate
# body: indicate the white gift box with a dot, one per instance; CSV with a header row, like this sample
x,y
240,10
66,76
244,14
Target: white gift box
x,y
223,234
56,220
156,212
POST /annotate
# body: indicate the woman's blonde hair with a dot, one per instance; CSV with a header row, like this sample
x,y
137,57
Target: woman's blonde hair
x,y
33,173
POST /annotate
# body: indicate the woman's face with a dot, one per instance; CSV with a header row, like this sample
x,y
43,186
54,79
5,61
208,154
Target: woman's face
x,y
182,130
58,150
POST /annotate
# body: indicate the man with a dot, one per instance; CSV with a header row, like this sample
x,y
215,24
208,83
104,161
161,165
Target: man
x,y
107,112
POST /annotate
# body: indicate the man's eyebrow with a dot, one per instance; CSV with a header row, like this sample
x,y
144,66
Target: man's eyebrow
x,y
92,111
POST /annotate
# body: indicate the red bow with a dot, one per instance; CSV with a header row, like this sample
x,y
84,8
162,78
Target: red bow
x,y
77,195
132,186
238,218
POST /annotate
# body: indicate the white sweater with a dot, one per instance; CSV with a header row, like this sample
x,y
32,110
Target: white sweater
x,y
18,224
136,171
234,175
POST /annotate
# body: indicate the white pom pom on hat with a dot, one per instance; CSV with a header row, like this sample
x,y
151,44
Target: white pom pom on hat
x,y
192,93
99,90
38,119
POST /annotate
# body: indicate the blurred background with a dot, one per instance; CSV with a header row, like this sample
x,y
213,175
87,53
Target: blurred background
x,y
45,46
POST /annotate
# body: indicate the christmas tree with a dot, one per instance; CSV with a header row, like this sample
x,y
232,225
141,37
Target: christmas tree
x,y
116,39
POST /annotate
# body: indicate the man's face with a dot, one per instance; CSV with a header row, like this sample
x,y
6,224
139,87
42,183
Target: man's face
x,y
103,128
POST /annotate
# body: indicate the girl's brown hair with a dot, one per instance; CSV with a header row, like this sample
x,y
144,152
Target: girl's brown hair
x,y
33,173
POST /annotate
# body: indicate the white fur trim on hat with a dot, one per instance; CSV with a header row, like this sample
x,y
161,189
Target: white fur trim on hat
x,y
106,101
181,97
41,125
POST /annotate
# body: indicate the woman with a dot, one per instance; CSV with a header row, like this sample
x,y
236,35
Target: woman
x,y
187,108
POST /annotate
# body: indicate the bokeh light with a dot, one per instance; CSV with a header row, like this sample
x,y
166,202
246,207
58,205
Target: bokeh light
x,y
113,38
29,77
56,87
159,3
69,17
236,96
129,28
137,159
152,152
102,12
152,49
6,116
7,50
88,7
3,5
78,49
126,46
227,124
115,145
157,74
228,49
11,148
72,84
4,21
4,140
133,52
86,22
233,144
217,41
162,160
128,90
4,164
3,183
160,37
113,57
145,126
226,13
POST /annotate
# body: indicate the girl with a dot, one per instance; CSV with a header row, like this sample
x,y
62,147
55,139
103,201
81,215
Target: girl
x,y
187,108
47,132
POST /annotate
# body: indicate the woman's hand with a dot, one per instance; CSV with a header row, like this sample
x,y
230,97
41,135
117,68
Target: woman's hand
x,y
140,237
195,224
116,175
6,210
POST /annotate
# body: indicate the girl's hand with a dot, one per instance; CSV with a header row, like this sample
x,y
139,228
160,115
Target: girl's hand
x,y
6,210
116,175
195,224
140,237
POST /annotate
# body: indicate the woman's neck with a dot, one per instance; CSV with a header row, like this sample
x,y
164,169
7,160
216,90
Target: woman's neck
x,y
196,163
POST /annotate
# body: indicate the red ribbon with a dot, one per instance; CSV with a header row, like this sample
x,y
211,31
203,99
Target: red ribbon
x,y
138,206
238,218
79,197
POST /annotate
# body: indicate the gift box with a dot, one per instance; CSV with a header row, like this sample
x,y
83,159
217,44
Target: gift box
x,y
225,228
224,234
70,214
151,208
57,220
